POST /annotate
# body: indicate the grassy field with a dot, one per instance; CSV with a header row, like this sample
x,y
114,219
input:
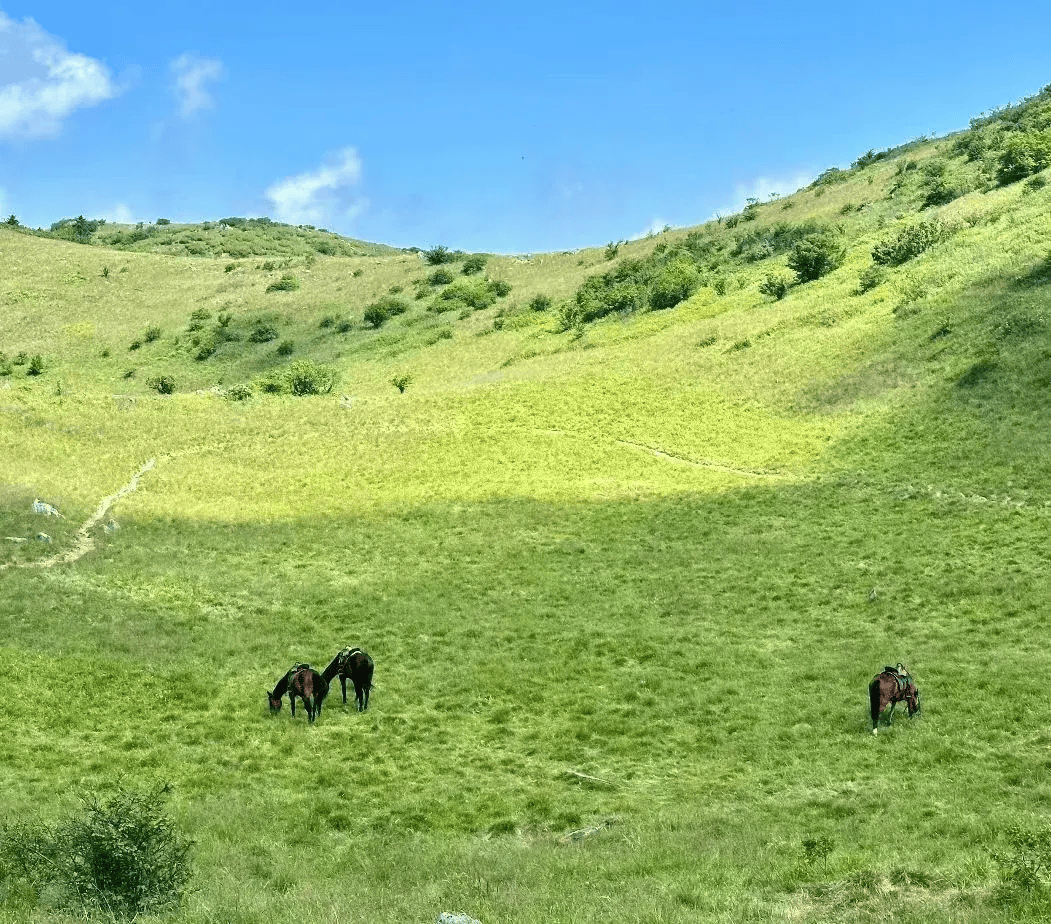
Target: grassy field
x,y
625,582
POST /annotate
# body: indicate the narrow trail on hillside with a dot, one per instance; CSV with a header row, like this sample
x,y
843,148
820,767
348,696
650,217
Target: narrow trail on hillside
x,y
704,463
83,541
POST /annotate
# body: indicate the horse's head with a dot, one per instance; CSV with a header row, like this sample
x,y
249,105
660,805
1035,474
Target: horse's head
x,y
274,701
912,698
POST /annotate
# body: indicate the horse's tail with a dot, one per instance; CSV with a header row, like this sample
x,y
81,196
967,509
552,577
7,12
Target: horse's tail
x,y
874,697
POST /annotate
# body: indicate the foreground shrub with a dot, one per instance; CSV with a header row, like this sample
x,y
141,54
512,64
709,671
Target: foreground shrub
x,y
816,255
121,855
910,242
162,384
402,381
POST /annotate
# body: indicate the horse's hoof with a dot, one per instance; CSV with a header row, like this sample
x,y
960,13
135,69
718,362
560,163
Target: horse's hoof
x,y
873,731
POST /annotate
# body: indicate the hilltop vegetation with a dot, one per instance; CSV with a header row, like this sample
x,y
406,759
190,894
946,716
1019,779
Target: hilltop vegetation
x,y
627,530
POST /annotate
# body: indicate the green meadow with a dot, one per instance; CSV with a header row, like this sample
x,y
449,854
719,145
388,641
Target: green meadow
x,y
626,568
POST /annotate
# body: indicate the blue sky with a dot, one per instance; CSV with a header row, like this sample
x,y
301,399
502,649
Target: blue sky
x,y
510,128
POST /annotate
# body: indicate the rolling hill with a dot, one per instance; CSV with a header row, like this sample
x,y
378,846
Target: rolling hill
x,y
627,531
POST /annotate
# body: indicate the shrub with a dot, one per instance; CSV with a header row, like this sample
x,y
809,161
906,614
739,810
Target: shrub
x,y
540,302
162,384
474,264
36,365
868,279
152,333
816,255
910,242
1025,863
674,283
262,332
286,283
1024,154
775,285
440,277
612,250
375,316
401,381
438,255
121,856
500,288
306,377
285,348
241,392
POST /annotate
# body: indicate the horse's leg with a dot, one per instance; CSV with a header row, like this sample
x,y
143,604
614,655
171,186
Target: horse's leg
x,y
343,684
890,715
292,703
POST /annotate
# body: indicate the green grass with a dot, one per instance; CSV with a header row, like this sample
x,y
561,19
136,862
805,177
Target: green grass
x,y
625,584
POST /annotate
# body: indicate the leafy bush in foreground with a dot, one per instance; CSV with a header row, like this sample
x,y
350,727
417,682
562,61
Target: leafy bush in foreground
x,y
121,855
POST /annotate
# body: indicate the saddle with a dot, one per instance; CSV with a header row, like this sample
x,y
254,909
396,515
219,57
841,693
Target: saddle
x,y
900,674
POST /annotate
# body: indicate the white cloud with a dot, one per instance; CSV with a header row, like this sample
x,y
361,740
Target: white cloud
x,y
763,188
319,195
41,83
193,75
654,227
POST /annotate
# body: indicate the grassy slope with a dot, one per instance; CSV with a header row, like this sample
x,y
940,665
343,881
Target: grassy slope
x,y
667,553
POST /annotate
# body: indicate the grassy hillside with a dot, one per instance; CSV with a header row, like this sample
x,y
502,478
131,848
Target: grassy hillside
x,y
627,541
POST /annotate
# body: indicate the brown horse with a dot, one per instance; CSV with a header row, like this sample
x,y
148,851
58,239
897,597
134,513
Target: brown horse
x,y
358,666
306,683
890,687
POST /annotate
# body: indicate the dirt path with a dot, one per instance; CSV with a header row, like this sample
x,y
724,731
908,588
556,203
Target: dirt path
x,y
714,466
83,541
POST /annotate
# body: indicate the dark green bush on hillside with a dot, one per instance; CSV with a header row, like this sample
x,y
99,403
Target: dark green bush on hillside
x,y
286,283
910,242
1023,155
816,255
440,277
674,283
474,264
775,285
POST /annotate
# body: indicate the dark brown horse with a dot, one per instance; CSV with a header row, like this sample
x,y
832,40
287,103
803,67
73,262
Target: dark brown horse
x,y
306,683
358,666
891,686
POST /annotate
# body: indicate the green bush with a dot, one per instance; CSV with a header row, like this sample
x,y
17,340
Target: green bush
x,y
868,279
910,242
674,283
306,377
1024,154
36,365
285,348
440,277
474,264
540,302
262,332
286,283
375,315
775,285
401,381
438,255
121,855
152,334
816,255
241,392
162,384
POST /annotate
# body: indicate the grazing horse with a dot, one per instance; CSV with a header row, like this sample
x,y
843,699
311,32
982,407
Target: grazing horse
x,y
358,666
892,686
306,683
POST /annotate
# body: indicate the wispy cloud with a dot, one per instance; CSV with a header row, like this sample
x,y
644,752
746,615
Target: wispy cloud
x,y
42,83
317,196
193,77
763,188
